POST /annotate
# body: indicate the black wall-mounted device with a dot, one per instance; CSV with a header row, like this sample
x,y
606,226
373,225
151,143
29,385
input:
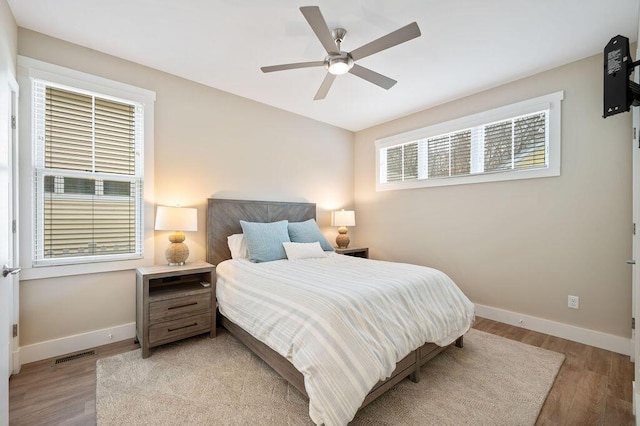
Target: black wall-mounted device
x,y
620,92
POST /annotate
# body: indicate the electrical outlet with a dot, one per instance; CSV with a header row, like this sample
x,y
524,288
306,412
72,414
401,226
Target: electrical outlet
x,y
573,302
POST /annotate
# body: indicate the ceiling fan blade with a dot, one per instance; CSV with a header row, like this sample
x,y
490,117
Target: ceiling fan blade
x,y
399,36
283,67
372,77
324,87
319,26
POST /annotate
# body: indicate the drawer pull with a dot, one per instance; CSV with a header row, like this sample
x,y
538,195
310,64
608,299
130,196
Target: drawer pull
x,y
184,326
182,306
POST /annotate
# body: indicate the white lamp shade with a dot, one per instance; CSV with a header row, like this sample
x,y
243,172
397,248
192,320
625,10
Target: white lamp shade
x,y
176,219
343,218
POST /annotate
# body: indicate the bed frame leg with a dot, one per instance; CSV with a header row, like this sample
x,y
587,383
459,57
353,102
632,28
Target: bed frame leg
x,y
460,342
415,376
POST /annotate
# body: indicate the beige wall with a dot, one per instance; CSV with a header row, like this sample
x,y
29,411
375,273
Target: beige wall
x,y
521,245
207,143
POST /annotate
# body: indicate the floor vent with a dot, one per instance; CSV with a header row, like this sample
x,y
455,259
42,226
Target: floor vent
x,y
75,356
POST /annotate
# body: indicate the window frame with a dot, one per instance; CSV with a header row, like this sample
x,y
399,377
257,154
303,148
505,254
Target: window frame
x,y
550,102
29,69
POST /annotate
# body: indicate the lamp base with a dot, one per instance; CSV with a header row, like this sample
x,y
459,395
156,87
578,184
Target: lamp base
x,y
177,252
342,239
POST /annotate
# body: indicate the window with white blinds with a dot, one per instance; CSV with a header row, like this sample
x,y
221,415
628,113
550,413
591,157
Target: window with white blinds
x,y
88,176
514,142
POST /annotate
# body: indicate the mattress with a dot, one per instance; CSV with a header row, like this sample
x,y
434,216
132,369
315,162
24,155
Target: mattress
x,y
343,322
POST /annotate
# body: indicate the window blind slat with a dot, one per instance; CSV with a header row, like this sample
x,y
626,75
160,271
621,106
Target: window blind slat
x,y
394,164
461,153
438,155
497,146
529,140
410,161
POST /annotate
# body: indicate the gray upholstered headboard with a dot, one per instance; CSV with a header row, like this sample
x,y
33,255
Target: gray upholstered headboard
x,y
223,219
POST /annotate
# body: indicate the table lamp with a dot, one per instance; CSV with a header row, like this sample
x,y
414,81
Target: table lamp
x,y
343,218
178,220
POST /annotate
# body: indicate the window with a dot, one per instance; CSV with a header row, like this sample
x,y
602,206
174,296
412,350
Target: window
x,y
89,147
88,179
514,142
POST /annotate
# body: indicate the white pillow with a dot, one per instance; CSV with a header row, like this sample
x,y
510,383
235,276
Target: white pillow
x,y
237,246
303,250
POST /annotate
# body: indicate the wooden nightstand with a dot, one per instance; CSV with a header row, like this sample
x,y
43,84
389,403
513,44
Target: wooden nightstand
x,y
354,251
174,302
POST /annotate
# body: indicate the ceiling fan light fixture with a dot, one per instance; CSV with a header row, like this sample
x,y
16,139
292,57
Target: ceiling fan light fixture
x,y
339,65
338,62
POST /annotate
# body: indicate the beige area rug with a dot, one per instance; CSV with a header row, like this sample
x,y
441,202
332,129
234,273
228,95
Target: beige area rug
x,y
202,381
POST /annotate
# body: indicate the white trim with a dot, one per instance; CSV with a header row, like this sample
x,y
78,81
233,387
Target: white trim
x,y
16,361
75,343
34,68
81,269
619,344
550,102
15,215
29,68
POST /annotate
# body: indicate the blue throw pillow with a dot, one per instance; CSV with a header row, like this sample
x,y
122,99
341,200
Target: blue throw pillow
x,y
264,240
308,232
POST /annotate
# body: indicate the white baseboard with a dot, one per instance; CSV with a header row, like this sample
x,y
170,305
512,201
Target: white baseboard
x,y
75,343
598,339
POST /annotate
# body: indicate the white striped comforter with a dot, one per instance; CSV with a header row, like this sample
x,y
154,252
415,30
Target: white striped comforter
x,y
344,322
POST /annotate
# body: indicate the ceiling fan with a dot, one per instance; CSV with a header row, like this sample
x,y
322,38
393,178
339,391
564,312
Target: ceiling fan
x,y
338,62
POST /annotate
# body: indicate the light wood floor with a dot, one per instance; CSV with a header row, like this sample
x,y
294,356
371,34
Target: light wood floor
x,y
593,386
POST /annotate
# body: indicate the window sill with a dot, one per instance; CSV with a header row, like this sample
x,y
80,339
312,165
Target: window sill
x,y
470,179
42,272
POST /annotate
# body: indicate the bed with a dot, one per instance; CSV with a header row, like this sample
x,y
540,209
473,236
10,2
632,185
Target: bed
x,y
223,220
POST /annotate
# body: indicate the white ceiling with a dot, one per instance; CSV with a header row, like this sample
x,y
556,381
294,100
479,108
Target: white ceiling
x,y
466,45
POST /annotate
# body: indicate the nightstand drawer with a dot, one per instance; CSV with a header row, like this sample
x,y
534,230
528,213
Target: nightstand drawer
x,y
171,330
179,307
